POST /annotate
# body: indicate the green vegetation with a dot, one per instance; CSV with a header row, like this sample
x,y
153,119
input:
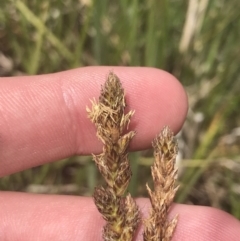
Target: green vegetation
x,y
197,41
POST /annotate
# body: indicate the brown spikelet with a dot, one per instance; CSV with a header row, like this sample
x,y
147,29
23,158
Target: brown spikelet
x,y
121,214
157,226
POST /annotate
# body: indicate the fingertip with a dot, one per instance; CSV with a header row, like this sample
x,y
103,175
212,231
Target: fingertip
x,y
45,116
54,217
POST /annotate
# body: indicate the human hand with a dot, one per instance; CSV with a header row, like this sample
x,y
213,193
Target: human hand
x,y
43,118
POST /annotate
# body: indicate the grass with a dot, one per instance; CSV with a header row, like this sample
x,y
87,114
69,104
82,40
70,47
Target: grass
x,y
197,41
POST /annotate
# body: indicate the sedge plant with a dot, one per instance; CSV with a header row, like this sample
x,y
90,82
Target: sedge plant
x,y
119,209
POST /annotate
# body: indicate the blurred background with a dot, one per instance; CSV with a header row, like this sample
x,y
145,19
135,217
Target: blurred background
x,y
198,41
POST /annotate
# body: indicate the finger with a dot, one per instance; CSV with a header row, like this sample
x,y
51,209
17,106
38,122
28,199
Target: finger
x,y
39,217
43,118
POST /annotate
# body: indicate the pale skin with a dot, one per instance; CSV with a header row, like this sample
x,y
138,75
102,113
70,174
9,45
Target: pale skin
x,y
43,118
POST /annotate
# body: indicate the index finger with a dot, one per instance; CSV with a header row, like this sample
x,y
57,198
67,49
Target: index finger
x,y
43,118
